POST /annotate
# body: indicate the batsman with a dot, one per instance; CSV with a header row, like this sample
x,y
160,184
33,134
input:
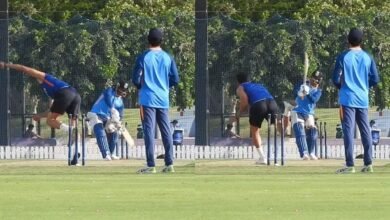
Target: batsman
x,y
105,118
302,116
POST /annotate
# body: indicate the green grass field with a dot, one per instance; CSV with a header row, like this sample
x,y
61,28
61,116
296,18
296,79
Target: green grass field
x,y
225,190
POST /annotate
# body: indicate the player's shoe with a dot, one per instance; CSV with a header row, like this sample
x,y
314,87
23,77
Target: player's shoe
x,y
147,170
74,161
313,157
114,157
108,158
346,170
367,169
168,169
261,161
305,157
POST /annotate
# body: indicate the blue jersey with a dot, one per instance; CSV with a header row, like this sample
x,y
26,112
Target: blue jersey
x,y
154,73
307,104
354,73
107,100
51,85
255,92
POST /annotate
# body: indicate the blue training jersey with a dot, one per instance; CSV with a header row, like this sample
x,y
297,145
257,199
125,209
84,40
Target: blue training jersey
x,y
154,73
307,104
255,92
107,100
354,73
51,85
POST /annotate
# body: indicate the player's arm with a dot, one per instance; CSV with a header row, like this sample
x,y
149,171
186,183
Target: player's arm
x,y
315,95
108,97
173,74
337,73
39,75
243,101
373,76
137,73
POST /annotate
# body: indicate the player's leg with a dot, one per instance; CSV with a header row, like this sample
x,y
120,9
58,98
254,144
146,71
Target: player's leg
x,y
273,109
256,141
365,133
311,136
66,100
52,121
300,135
72,108
348,123
311,140
112,143
166,135
98,129
148,117
257,113
101,139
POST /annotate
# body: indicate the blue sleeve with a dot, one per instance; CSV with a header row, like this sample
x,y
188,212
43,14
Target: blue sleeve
x,y
337,73
315,95
373,76
107,94
137,72
173,74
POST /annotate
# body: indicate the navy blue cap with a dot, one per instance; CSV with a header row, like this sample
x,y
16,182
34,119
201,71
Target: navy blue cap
x,y
155,35
355,36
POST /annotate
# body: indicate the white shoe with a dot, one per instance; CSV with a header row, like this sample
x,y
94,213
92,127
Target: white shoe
x,y
108,158
261,162
305,157
114,157
313,157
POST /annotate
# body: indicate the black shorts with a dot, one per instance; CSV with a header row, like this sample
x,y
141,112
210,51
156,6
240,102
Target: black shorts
x,y
260,110
66,100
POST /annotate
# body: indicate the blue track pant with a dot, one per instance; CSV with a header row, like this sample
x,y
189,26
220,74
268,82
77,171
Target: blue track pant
x,y
348,117
311,139
300,138
151,116
101,139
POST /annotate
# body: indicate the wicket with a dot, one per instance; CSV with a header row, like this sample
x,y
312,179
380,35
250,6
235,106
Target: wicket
x,y
74,161
275,146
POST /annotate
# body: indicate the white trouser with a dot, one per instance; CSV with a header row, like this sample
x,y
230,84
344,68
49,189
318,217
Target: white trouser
x,y
93,119
308,122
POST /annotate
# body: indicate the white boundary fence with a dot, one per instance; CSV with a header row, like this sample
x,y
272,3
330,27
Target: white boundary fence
x,y
182,152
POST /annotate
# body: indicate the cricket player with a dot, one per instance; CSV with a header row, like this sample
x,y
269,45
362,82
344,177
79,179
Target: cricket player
x,y
105,118
155,72
260,103
64,98
354,73
302,117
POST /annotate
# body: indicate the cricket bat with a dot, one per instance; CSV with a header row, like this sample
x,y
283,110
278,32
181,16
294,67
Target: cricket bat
x,y
305,67
126,135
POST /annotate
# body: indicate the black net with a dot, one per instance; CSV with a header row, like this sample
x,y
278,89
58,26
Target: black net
x,y
91,55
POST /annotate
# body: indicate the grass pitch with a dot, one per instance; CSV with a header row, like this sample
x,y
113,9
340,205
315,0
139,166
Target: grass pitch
x,y
233,189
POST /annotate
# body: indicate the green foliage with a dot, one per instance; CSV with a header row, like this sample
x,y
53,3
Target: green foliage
x,y
93,43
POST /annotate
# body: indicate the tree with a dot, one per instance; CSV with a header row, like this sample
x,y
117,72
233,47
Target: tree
x,y
102,50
